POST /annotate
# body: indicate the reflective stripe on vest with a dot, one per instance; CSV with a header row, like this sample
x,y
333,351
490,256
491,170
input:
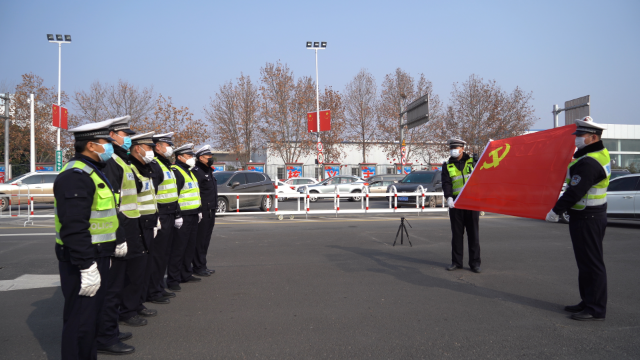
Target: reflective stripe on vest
x,y
146,199
128,192
597,195
459,178
189,194
167,190
103,220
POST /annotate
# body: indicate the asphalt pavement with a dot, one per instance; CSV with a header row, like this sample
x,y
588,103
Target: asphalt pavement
x,y
322,287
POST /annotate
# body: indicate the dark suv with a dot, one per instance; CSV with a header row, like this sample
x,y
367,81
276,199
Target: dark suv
x,y
243,182
431,181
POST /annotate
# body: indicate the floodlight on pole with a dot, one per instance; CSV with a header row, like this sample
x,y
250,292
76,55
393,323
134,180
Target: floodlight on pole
x,y
60,40
316,47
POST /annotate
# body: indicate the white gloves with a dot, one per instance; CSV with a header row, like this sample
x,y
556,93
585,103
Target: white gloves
x,y
121,249
89,281
178,223
450,203
155,232
552,217
199,217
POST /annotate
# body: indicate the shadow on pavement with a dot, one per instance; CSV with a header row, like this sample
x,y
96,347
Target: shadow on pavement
x,y
414,276
45,322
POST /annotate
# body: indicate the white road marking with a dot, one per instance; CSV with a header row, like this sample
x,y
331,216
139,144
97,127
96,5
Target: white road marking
x,y
31,234
30,282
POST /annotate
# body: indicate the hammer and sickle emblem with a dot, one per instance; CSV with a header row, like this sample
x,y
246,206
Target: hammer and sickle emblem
x,y
496,157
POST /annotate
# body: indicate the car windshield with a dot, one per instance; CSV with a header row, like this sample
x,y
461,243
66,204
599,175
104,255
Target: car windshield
x,y
19,177
419,178
222,178
615,174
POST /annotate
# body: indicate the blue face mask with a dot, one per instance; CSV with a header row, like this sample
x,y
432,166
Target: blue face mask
x,y
108,151
127,143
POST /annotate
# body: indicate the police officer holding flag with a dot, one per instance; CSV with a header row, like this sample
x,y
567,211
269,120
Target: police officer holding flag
x,y
86,222
585,199
455,173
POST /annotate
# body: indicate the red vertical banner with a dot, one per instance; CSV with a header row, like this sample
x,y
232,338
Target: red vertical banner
x,y
325,121
55,114
520,176
59,116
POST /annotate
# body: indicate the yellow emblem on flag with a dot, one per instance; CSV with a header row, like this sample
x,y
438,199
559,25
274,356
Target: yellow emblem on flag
x,y
496,158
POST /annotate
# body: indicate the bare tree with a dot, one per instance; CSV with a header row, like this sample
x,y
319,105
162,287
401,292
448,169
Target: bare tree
x,y
284,110
360,104
481,110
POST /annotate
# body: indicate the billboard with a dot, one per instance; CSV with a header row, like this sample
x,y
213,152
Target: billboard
x,y
331,171
256,168
217,167
294,171
44,168
367,171
403,170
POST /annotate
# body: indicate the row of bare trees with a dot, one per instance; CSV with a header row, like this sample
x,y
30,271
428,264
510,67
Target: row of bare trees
x,y
273,113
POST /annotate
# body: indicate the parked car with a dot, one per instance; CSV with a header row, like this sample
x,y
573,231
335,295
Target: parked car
x,y
295,183
623,197
38,182
380,186
619,172
284,189
431,181
385,177
243,182
346,184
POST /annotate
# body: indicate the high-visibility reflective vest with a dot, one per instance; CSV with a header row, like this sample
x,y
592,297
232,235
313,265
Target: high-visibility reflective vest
x,y
147,196
168,190
597,195
127,198
459,178
104,217
189,194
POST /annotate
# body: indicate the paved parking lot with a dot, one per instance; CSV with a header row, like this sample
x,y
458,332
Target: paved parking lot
x,y
326,287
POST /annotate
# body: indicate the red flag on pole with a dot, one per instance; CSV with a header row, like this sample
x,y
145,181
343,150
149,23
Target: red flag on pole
x,y
325,121
59,117
520,176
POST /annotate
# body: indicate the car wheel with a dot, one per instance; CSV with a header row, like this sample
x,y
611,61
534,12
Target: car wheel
x,y
5,203
223,206
356,198
265,204
564,218
312,197
432,202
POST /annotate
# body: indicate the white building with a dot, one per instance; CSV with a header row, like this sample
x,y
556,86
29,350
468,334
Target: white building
x,y
623,143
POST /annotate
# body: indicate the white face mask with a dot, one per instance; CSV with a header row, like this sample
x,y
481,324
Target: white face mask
x,y
147,156
169,151
191,162
455,153
580,142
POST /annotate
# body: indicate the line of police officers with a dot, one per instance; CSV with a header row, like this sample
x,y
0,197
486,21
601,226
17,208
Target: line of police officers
x,y
124,217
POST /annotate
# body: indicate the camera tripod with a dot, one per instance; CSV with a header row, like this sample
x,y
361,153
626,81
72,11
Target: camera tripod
x,y
401,231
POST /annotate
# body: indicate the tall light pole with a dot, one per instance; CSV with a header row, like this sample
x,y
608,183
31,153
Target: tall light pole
x,y
60,40
317,46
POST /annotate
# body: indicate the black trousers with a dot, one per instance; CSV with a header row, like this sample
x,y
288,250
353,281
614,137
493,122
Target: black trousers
x,y
147,235
108,326
205,229
133,286
81,313
183,249
460,220
159,256
587,234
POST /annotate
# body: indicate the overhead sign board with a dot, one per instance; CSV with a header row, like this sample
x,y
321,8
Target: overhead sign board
x,y
576,109
418,112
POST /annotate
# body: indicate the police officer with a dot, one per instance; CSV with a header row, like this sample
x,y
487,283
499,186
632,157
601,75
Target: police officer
x,y
86,223
455,173
585,199
168,214
209,199
141,156
184,240
126,274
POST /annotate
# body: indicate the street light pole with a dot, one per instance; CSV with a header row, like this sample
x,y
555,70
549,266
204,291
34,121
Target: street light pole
x,y
60,40
317,46
59,92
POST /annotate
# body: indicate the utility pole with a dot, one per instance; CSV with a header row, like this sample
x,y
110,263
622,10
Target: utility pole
x,y
60,40
7,103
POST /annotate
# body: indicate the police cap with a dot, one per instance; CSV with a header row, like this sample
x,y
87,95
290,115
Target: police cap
x,y
93,131
143,139
166,138
587,126
122,124
456,142
205,150
184,149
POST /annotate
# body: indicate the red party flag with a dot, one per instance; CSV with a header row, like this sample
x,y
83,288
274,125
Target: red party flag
x,y
520,176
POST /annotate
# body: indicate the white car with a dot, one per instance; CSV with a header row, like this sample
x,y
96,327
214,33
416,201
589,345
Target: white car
x,y
623,197
295,183
34,183
283,190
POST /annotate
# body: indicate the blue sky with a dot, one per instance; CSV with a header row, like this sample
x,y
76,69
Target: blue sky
x,y
560,50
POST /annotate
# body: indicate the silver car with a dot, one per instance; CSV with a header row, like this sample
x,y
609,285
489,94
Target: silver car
x,y
345,183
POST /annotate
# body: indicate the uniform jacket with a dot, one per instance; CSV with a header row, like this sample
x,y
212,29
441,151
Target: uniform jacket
x,y
163,209
447,184
590,172
146,221
180,182
208,187
129,229
74,191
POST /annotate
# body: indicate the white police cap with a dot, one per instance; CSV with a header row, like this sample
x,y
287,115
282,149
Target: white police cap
x,y
146,139
92,131
587,126
184,149
166,138
205,150
456,142
122,124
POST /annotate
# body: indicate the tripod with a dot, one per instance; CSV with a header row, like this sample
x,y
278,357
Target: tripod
x,y
401,231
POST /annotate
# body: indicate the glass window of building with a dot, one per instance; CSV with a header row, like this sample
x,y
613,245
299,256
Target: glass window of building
x,y
630,145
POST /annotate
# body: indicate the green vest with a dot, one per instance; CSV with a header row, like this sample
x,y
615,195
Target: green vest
x,y
127,197
189,194
459,178
168,190
104,218
147,197
597,195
